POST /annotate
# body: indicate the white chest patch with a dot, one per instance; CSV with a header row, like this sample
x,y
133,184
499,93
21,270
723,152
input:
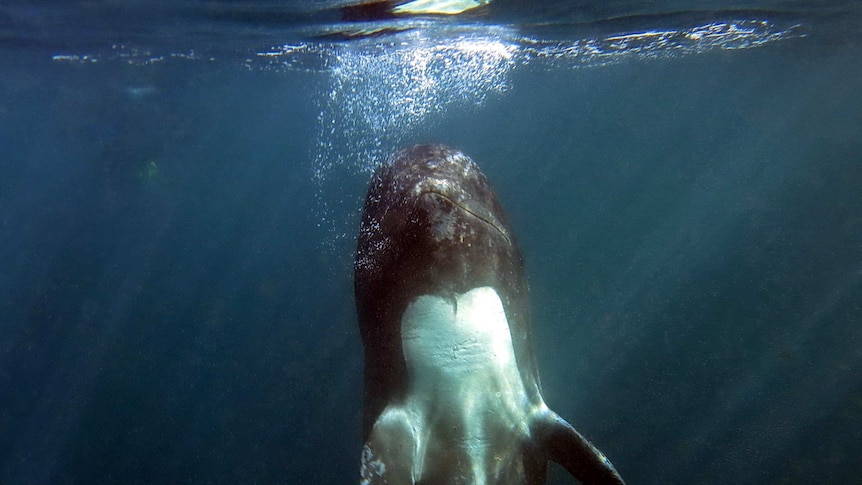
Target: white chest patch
x,y
453,339
464,383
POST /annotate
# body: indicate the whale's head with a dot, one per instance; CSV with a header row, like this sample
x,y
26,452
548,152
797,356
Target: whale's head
x,y
432,220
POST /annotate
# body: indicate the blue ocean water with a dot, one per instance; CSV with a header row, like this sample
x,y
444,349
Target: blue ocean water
x,y
180,188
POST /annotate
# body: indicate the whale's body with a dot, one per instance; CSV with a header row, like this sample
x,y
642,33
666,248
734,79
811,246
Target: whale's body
x,y
452,391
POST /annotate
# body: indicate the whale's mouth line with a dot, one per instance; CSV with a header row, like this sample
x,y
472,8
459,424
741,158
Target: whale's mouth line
x,y
469,211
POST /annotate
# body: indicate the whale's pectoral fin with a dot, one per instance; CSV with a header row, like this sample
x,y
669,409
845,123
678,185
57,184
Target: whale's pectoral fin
x,y
564,445
387,456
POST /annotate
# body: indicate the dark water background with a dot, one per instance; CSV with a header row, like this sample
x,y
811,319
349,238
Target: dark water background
x,y
175,282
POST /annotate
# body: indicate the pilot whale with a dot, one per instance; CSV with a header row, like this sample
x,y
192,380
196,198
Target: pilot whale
x,y
452,392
